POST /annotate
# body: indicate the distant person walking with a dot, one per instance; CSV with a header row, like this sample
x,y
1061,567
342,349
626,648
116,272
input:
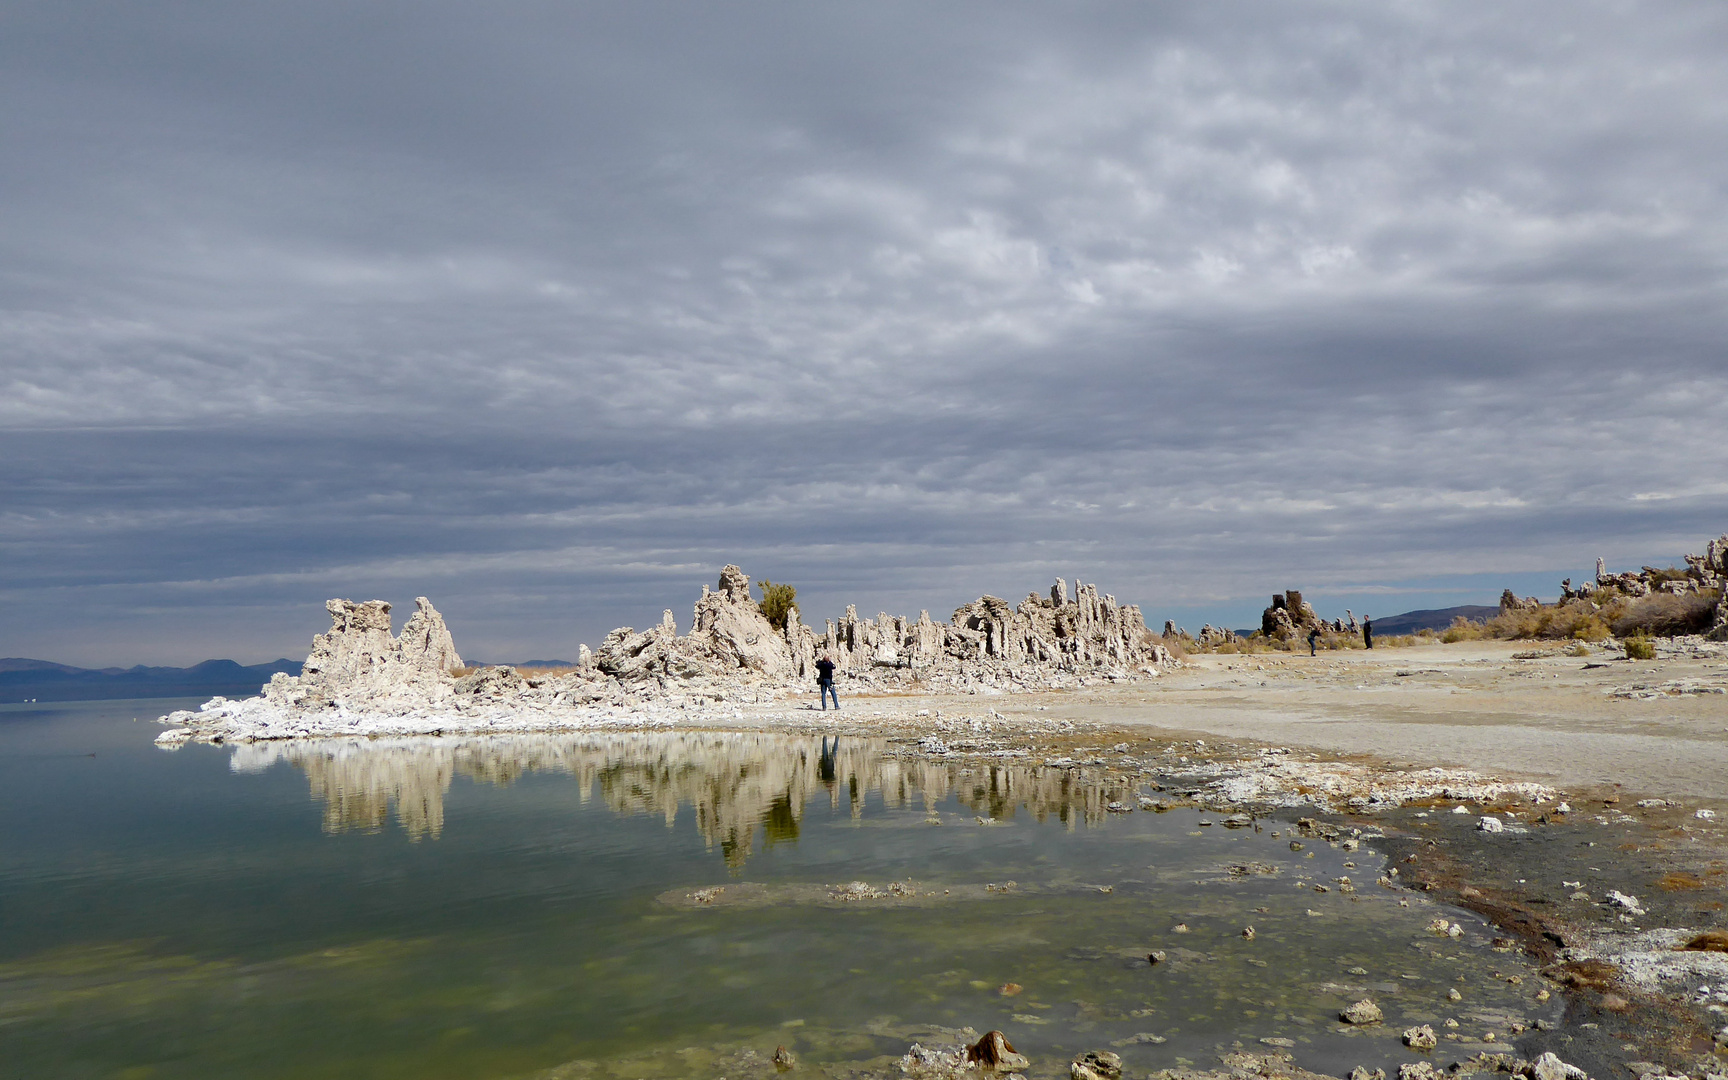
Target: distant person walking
x,y
1314,642
825,683
1368,632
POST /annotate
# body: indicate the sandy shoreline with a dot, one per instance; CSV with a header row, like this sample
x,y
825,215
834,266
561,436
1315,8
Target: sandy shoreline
x,y
1471,705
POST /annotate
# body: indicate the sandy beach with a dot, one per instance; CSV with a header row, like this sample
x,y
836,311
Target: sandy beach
x,y
1657,728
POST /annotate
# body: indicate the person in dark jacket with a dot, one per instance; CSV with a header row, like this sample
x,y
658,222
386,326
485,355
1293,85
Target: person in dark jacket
x,y
825,683
1368,632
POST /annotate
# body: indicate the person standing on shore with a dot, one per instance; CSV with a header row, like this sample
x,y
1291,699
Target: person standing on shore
x,y
825,682
1368,632
1314,642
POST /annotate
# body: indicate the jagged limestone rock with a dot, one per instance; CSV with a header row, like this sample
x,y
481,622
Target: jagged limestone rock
x,y
357,644
735,632
1511,601
426,644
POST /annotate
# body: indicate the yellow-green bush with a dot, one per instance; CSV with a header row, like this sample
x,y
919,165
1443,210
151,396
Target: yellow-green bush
x,y
1639,647
776,602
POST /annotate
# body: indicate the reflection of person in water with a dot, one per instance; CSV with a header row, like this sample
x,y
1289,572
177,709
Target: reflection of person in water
x,y
825,769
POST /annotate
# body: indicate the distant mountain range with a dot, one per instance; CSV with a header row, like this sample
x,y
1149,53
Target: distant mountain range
x,y
42,680
23,679
1433,619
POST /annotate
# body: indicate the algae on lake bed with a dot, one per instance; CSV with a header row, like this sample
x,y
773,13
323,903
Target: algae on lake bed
x,y
540,931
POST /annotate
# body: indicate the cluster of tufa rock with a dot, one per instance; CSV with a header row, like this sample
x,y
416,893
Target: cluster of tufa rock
x,y
1704,574
1289,617
731,654
359,657
988,639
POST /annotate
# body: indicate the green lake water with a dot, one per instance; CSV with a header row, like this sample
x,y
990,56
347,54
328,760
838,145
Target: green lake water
x,y
665,905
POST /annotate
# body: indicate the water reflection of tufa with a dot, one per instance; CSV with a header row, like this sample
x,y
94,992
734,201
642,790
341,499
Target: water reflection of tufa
x,y
733,781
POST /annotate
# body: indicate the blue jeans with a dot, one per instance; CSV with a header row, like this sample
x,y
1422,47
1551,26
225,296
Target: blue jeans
x,y
827,689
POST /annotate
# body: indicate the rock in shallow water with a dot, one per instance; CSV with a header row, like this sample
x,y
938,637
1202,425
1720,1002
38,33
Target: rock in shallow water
x,y
997,1052
1096,1065
1421,1038
1362,1013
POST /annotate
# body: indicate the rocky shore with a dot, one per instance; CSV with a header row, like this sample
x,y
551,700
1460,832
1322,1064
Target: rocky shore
x,y
1574,797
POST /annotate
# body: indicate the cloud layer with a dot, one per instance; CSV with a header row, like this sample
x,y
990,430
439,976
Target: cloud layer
x,y
548,311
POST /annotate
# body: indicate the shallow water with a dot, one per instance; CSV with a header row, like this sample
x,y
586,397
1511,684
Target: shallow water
x,y
662,905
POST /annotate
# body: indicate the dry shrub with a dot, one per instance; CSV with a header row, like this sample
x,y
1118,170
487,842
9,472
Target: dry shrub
x,y
1462,629
1639,647
1588,974
1659,578
467,669
1579,620
1666,615
1709,941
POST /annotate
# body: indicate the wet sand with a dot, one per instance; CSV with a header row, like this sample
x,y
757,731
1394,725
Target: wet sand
x,y
1469,705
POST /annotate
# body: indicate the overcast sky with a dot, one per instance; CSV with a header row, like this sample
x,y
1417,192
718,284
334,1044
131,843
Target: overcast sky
x,y
547,311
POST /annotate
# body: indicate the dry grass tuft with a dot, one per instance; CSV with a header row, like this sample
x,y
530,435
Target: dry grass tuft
x,y
1709,941
1680,881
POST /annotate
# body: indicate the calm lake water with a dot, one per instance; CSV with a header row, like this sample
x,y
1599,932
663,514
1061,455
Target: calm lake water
x,y
546,907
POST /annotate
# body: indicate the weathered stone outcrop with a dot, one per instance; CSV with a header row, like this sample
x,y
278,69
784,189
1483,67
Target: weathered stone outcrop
x,y
1511,601
1289,617
357,661
732,653
1215,635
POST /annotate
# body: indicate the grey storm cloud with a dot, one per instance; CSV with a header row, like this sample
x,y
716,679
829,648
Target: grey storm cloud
x,y
548,310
